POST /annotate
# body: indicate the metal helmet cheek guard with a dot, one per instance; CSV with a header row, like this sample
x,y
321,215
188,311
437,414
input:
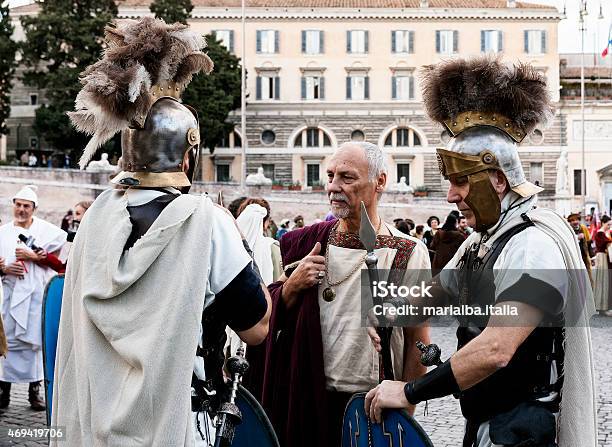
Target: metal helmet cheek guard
x,y
482,197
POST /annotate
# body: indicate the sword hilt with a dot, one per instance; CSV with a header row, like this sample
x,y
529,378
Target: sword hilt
x,y
430,354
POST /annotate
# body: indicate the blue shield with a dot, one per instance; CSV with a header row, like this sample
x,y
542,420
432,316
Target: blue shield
x,y
52,308
255,429
398,428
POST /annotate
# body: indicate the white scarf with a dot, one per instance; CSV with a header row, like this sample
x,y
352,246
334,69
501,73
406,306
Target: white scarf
x,y
130,325
250,222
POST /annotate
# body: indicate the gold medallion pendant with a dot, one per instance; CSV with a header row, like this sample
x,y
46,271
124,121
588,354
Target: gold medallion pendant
x,y
328,294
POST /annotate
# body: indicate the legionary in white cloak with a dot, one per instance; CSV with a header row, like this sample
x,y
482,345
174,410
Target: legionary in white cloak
x,y
523,370
149,259
23,285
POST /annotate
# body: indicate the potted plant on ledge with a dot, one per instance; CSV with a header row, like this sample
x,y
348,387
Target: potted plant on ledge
x,y
318,186
296,186
277,185
421,191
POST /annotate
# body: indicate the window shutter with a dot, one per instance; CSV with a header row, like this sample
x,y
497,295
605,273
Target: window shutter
x,y
276,41
258,43
231,48
393,88
366,44
303,87
437,41
303,41
455,41
321,87
500,41
258,88
276,87
482,41
366,88
348,87
348,41
411,42
393,46
543,41
321,43
411,87
526,37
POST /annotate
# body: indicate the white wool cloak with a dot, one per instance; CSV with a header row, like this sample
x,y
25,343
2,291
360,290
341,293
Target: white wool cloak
x,y
130,325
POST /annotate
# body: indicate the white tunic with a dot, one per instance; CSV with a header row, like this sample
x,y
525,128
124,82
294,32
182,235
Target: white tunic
x,y
22,305
350,361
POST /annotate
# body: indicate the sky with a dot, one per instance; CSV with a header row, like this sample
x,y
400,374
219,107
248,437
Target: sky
x,y
597,30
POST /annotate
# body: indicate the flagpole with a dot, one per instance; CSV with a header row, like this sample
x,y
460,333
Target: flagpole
x,y
583,12
243,165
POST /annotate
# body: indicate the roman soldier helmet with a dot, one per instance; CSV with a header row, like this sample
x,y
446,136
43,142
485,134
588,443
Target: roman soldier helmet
x,y
488,108
135,89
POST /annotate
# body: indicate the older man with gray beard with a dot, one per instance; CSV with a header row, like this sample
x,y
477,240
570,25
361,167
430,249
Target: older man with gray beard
x,y
320,354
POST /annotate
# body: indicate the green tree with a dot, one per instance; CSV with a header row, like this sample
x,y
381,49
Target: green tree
x,y
61,41
215,95
7,65
172,11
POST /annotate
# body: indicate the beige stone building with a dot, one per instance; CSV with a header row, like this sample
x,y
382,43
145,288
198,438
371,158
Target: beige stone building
x,y
322,72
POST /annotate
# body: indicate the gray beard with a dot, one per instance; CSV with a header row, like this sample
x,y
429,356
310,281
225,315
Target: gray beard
x,y
340,212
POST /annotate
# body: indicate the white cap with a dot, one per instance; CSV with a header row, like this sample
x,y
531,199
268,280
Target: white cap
x,y
27,193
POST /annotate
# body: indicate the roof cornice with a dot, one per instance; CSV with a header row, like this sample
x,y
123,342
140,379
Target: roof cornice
x,y
477,14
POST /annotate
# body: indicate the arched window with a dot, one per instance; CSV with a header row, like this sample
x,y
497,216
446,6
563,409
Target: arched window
x,y
312,137
402,137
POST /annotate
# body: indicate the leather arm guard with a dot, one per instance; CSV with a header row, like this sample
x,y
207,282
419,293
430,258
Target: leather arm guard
x,y
437,383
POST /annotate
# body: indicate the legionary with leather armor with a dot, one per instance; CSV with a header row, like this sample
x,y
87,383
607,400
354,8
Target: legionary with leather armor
x,y
523,371
149,258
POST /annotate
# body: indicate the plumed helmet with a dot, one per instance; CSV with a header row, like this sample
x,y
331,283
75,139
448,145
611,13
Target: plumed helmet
x,y
488,107
135,89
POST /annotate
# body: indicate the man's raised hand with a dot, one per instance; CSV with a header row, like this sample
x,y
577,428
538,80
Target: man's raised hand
x,y
309,273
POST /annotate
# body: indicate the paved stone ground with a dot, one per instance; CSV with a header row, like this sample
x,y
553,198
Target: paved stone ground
x,y
443,420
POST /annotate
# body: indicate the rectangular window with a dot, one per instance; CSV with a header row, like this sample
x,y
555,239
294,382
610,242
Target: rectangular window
x,y
536,173
403,170
579,182
267,41
312,87
223,172
268,87
33,99
357,42
312,174
447,41
535,41
226,37
312,137
491,41
402,41
402,87
358,87
269,171
312,42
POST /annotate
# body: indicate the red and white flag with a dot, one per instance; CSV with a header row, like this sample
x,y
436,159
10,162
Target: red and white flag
x,y
604,53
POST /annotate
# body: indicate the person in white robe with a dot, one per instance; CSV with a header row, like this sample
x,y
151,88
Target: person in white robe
x,y
23,284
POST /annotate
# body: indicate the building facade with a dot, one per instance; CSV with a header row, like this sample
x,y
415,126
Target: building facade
x,y
321,73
